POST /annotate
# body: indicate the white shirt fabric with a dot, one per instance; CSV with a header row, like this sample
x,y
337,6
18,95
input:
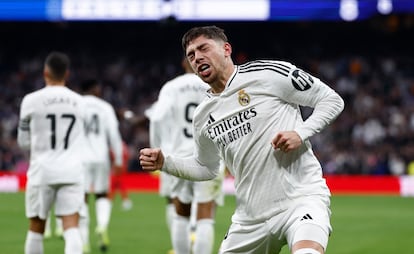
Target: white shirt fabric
x,y
171,126
260,99
171,116
102,132
51,127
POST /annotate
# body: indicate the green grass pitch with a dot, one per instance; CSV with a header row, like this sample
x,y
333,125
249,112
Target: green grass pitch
x,y
362,225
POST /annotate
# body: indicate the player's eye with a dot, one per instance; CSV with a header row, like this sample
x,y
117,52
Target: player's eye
x,y
204,48
190,57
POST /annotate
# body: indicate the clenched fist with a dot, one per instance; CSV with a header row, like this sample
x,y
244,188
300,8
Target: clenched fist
x,y
151,159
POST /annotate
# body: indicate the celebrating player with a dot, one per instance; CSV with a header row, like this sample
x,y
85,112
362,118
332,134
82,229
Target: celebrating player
x,y
252,120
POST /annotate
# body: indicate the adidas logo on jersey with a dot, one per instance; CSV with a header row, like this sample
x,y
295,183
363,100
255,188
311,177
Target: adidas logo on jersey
x,y
306,217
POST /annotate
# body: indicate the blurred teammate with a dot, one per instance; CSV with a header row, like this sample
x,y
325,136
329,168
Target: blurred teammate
x,y
253,122
51,128
118,178
171,128
103,136
165,179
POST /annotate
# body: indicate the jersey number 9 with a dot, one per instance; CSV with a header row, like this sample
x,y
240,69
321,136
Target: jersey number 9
x,y
188,115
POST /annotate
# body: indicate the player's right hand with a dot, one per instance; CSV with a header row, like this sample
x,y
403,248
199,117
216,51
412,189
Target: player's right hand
x,y
151,159
286,141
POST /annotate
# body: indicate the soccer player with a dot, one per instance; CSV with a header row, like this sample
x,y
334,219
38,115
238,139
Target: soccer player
x,y
51,129
252,120
171,129
103,137
165,180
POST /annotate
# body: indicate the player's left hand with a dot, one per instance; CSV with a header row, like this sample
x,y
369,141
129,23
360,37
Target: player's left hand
x,y
286,141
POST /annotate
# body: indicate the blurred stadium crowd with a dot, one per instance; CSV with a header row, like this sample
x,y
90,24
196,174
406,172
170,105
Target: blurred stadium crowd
x,y
369,63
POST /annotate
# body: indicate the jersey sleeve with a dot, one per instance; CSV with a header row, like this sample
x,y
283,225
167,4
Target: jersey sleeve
x,y
202,166
303,89
163,104
153,138
23,131
114,136
159,114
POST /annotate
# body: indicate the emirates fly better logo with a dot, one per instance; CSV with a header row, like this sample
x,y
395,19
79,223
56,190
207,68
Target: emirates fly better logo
x,y
232,127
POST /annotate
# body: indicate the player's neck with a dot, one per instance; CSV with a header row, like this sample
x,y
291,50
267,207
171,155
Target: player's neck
x,y
55,84
221,83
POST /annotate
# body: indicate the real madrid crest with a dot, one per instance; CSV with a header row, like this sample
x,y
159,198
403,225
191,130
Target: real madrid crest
x,y
244,98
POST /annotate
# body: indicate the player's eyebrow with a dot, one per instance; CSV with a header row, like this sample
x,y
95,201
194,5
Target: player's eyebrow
x,y
202,45
191,51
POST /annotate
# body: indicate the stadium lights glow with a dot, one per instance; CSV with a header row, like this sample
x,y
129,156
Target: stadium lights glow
x,y
200,10
223,9
384,6
348,10
158,9
111,9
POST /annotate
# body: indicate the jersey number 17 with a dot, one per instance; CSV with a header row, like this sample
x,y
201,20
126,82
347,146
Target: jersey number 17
x,y
70,119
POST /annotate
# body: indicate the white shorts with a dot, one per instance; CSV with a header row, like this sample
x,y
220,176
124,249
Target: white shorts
x,y
270,236
67,198
97,177
166,184
32,201
199,191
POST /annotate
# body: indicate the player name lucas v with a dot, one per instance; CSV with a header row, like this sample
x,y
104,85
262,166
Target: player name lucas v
x,y
231,128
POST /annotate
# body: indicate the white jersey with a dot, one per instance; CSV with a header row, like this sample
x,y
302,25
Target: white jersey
x,y
102,132
171,116
260,99
51,127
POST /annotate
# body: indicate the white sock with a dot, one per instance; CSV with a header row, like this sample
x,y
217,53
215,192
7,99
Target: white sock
x,y
180,234
73,241
48,224
169,215
84,224
58,226
193,217
204,239
103,213
33,243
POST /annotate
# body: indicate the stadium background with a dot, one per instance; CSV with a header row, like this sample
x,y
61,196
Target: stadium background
x,y
369,61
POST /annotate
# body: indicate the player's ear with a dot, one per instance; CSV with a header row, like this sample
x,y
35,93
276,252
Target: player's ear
x,y
67,74
46,72
227,49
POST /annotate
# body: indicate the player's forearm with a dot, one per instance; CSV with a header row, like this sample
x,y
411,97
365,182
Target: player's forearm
x,y
116,147
189,168
24,141
23,135
323,114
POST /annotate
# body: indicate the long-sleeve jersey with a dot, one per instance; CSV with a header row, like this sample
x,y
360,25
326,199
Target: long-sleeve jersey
x,y
261,99
102,132
171,116
51,128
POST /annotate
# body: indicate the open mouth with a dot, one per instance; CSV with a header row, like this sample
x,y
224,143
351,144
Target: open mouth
x,y
204,69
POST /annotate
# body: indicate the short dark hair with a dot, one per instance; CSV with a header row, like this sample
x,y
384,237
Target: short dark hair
x,y
58,64
211,32
88,84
